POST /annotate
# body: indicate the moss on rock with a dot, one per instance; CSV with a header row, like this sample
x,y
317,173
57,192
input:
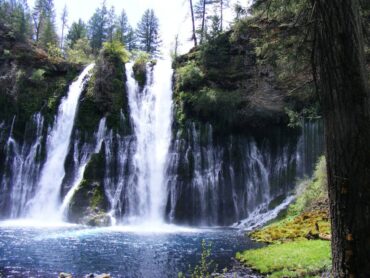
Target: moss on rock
x,y
221,83
105,94
89,204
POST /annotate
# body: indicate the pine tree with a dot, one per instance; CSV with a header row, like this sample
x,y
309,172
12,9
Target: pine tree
x,y
16,16
131,40
44,22
345,97
148,33
77,31
111,24
98,28
64,18
122,27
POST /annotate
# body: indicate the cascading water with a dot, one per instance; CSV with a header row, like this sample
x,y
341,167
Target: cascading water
x,y
80,164
151,113
220,180
196,178
45,204
22,166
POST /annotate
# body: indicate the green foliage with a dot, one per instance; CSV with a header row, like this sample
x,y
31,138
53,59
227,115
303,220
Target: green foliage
x,y
48,36
15,15
306,216
216,53
312,224
147,33
99,27
124,32
221,106
292,259
205,267
77,32
141,60
54,51
115,50
189,77
312,192
37,75
81,52
97,197
296,118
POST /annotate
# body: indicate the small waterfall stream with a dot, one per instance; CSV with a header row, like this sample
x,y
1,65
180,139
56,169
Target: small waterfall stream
x,y
45,204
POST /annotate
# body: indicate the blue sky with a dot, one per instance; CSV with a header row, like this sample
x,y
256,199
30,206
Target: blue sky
x,y
173,14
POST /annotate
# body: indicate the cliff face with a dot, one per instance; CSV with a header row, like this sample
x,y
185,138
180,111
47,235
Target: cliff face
x,y
30,81
222,83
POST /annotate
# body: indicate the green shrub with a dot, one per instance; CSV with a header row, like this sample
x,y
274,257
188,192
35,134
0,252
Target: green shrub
x,y
141,60
205,267
221,106
310,193
54,51
189,77
38,75
81,53
115,49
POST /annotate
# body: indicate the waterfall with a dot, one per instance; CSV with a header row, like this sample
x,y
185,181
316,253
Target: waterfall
x,y
151,115
81,164
22,166
45,204
220,180
196,177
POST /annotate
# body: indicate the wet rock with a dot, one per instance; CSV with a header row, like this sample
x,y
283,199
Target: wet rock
x,y
238,270
65,275
93,275
98,220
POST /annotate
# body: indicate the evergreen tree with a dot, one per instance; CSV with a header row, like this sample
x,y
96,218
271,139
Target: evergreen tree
x,y
122,27
345,97
124,32
131,40
44,22
16,16
111,24
209,23
77,31
64,18
99,28
148,33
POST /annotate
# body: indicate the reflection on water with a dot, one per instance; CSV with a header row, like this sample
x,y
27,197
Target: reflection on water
x,y
132,251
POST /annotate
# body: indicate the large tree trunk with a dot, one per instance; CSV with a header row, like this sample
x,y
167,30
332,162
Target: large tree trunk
x,y
193,22
345,101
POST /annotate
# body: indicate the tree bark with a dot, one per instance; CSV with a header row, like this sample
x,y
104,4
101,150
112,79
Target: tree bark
x,y
345,101
193,22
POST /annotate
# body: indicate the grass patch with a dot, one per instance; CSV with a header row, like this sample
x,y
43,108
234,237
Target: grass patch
x,y
304,258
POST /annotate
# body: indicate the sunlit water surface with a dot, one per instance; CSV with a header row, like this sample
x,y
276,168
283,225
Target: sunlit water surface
x,y
29,249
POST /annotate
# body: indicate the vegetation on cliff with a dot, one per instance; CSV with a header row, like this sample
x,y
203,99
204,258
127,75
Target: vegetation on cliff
x,y
106,91
220,83
89,204
31,81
